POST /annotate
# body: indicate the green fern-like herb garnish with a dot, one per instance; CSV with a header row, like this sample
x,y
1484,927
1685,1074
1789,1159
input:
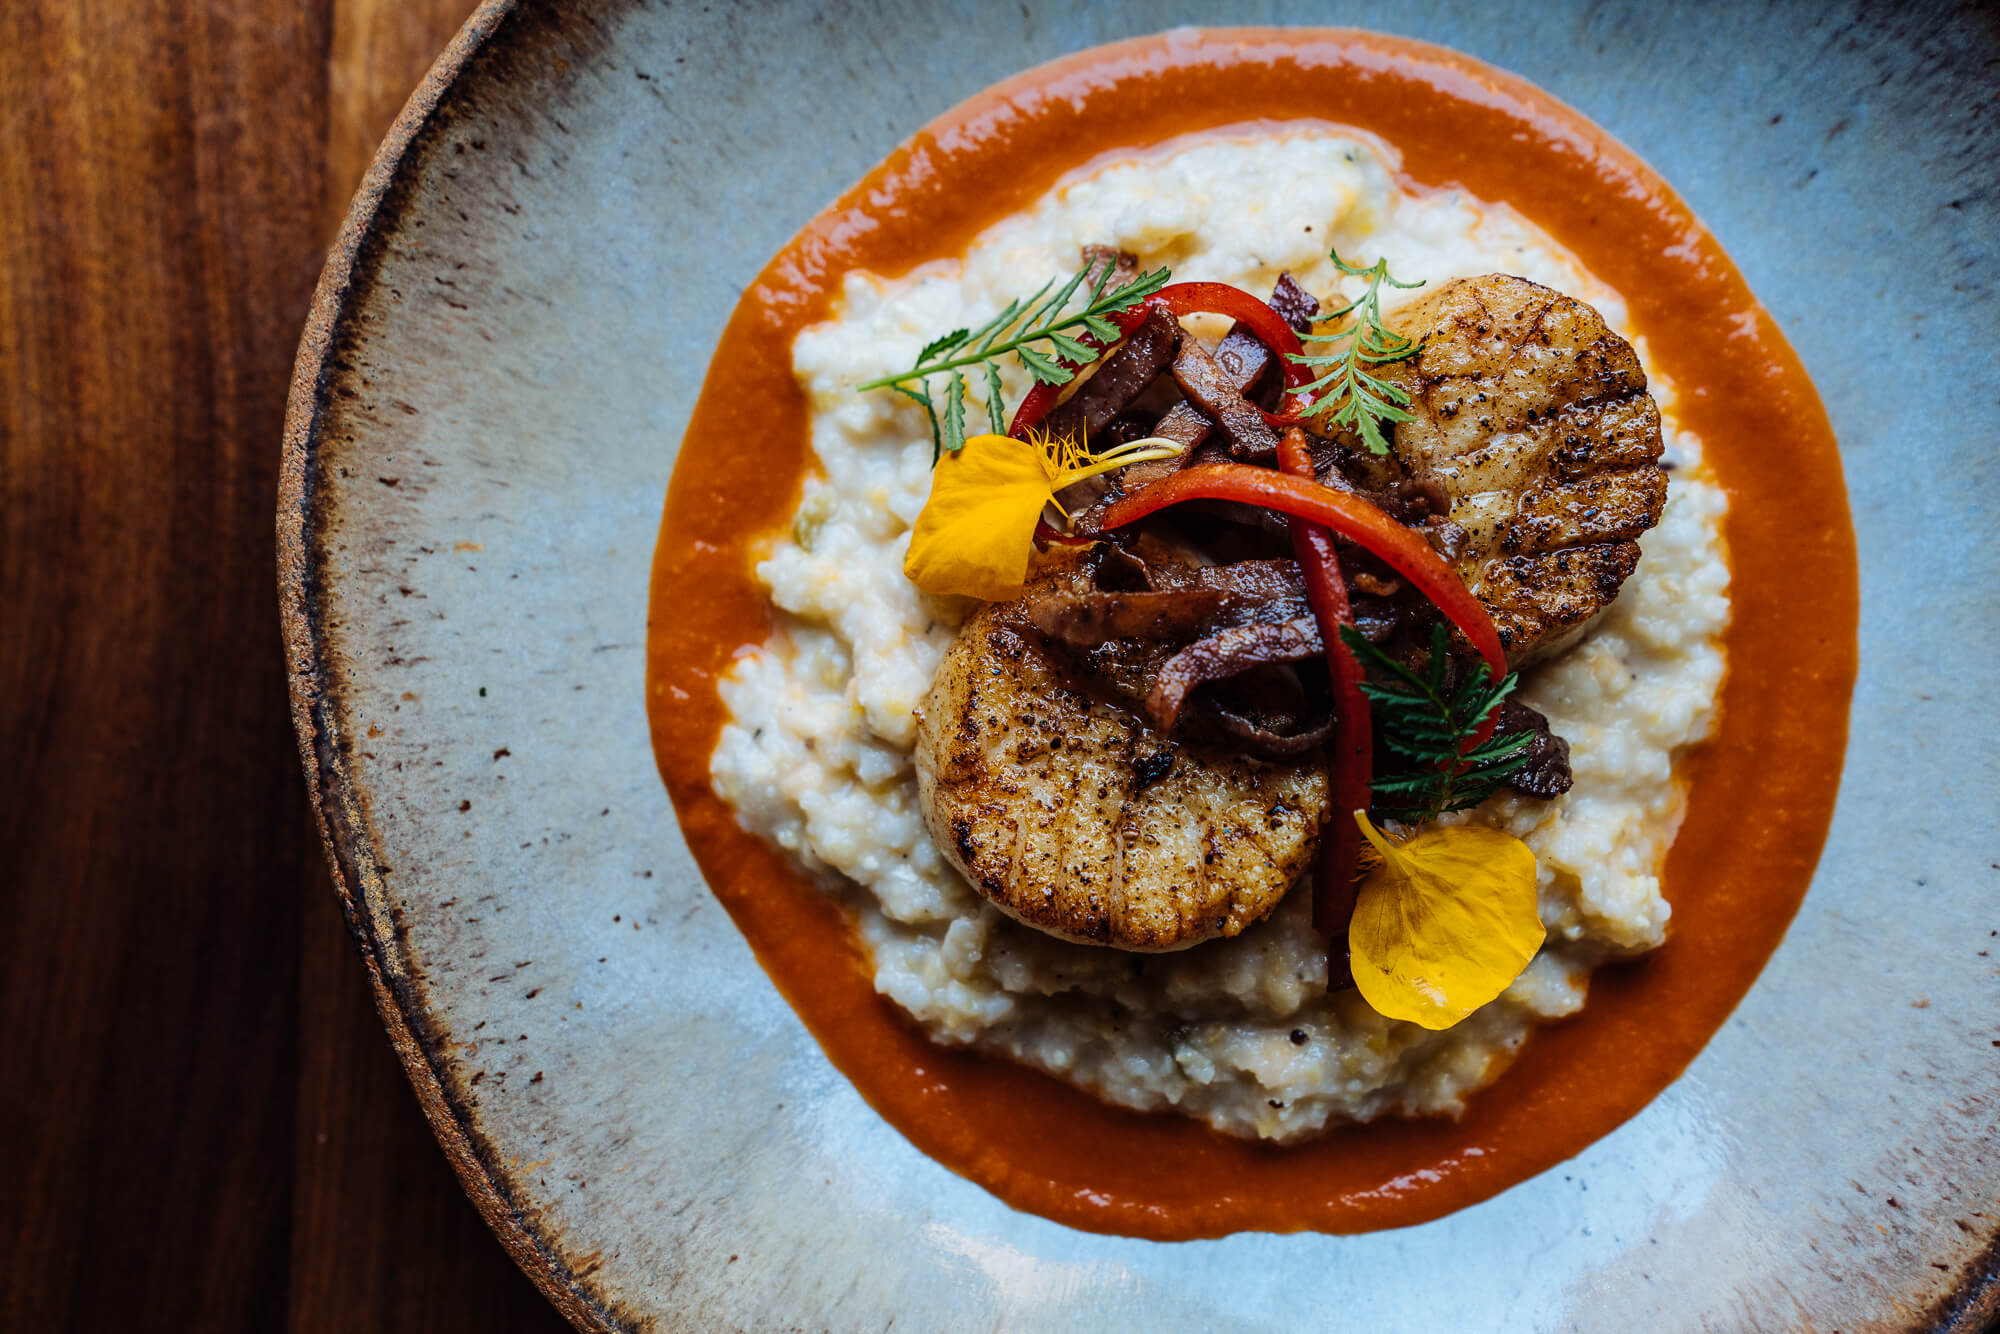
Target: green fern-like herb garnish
x,y
1418,717
1044,337
1348,394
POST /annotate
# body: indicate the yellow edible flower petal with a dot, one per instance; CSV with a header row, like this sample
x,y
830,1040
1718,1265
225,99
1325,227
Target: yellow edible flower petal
x,y
1444,924
977,530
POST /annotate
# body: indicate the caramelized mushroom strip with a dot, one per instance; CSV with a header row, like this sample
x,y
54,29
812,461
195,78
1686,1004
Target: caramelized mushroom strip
x,y
1085,620
1243,354
1265,579
1225,653
1266,741
1185,426
1181,602
1547,773
1213,390
1124,266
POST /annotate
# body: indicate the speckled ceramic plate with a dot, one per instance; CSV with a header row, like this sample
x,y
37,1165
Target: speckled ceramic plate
x,y
500,360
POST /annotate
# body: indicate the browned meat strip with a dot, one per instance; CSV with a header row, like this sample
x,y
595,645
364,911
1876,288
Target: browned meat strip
x,y
1134,600
1244,359
1214,391
1243,354
1087,619
1263,580
1260,737
1116,569
1210,450
1546,774
1120,377
1184,424
1124,266
1294,304
1123,616
1229,652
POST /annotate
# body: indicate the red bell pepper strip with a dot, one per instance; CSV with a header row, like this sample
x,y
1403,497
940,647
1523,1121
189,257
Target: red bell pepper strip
x,y
1035,405
1403,549
1353,741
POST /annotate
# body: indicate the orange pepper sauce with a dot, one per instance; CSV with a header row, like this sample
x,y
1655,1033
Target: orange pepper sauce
x,y
1760,791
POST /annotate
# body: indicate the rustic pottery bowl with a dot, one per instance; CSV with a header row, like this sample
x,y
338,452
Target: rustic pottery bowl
x,y
503,352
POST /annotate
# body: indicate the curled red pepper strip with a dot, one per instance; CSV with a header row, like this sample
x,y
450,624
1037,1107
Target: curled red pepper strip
x,y
1403,549
1037,404
1353,753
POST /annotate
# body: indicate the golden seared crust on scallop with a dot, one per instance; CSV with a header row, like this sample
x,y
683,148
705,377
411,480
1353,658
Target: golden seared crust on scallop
x,y
1077,818
1534,418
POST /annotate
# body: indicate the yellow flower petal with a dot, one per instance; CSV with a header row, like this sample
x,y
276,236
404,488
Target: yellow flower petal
x,y
1444,924
978,528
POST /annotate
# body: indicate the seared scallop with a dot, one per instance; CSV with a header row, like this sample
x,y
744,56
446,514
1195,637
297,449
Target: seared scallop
x,y
1533,417
1074,816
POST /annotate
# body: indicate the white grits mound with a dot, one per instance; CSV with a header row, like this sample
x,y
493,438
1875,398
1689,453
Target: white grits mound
x,y
1240,1033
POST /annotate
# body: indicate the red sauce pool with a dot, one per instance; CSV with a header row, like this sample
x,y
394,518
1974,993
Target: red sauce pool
x,y
1761,790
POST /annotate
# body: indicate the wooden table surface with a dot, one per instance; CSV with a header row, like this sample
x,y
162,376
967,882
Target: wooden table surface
x,y
208,1127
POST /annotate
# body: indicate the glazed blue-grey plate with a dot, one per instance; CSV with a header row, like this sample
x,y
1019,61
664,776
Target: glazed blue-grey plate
x,y
501,358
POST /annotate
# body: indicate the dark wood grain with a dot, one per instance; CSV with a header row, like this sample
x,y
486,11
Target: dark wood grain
x,y
208,1128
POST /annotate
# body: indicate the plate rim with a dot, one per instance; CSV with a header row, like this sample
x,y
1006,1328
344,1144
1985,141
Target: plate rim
x,y
356,869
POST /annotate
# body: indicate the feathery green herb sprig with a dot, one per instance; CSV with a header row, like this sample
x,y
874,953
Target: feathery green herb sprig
x,y
1019,326
1420,718
1348,394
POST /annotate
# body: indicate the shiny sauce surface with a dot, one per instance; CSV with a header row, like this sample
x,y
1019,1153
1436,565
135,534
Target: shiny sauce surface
x,y
1760,790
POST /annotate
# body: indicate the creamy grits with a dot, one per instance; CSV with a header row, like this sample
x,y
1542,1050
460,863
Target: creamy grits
x,y
1242,1033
